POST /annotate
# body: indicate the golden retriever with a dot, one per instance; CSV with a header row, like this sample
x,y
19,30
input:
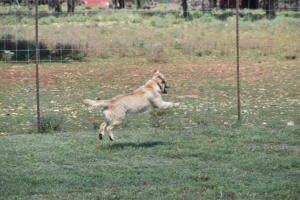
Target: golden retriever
x,y
142,99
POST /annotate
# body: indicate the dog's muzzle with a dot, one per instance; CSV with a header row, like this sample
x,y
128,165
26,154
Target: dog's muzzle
x,y
165,88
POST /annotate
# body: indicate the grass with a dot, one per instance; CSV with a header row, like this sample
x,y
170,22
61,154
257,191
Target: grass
x,y
94,35
208,163
197,151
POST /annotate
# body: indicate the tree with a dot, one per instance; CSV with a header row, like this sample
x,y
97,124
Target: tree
x,y
71,6
212,4
138,4
185,8
270,8
122,4
55,4
118,4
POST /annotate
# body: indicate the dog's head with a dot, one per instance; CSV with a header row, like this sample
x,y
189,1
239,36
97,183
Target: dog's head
x,y
161,81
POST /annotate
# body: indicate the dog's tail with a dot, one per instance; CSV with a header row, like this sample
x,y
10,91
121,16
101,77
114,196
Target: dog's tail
x,y
96,103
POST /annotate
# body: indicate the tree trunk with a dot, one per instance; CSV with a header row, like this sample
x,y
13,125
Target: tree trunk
x,y
212,4
185,8
55,4
71,6
122,4
115,4
138,4
270,8
49,6
58,7
296,8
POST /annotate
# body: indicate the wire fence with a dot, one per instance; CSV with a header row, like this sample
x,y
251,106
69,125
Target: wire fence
x,y
224,64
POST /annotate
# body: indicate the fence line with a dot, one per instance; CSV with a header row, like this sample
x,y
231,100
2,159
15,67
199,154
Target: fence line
x,y
59,53
37,74
238,61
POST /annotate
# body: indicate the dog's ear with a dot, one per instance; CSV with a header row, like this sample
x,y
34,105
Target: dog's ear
x,y
156,73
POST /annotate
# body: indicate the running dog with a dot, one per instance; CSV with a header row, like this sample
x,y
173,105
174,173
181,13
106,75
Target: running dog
x,y
142,99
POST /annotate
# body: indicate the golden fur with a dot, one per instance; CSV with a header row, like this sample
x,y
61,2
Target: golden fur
x,y
142,99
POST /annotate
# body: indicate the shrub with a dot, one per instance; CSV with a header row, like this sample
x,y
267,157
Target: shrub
x,y
207,18
157,53
159,22
138,43
177,44
290,56
48,20
51,121
7,55
135,19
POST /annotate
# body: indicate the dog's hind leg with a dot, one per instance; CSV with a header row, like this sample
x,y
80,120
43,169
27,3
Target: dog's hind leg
x,y
101,130
110,127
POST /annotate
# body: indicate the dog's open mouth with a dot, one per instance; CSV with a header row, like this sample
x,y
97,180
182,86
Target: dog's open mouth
x,y
165,91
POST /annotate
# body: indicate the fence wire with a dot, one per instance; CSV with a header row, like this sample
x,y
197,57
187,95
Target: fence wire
x,y
102,52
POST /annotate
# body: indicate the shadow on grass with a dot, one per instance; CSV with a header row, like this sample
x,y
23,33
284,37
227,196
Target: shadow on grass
x,y
137,145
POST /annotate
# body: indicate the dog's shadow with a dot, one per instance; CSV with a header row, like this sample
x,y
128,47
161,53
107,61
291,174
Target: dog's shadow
x,y
137,145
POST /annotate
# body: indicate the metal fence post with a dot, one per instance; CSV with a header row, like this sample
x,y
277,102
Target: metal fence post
x,y
37,79
238,60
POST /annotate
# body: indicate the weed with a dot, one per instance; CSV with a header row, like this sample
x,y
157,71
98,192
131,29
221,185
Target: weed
x,y
290,56
51,121
48,20
157,22
178,44
136,19
157,53
7,56
138,43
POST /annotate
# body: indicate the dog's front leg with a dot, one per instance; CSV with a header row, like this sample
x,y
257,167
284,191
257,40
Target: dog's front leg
x,y
110,127
101,130
159,103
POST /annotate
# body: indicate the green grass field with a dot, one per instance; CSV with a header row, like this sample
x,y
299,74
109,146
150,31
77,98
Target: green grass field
x,y
197,151
144,163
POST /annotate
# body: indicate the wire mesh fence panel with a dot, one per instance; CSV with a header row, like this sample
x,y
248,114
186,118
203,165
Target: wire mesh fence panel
x,y
103,52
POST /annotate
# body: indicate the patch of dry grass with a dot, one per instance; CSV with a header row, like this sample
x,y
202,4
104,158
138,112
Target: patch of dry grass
x,y
117,37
